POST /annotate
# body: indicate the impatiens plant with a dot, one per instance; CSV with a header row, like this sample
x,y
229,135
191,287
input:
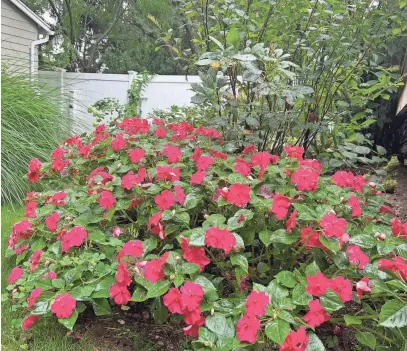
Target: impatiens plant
x,y
247,249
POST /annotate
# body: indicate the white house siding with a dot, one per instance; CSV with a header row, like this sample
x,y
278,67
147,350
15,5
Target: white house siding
x,y
17,33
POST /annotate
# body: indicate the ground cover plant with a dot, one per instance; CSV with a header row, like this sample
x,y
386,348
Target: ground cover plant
x,y
247,249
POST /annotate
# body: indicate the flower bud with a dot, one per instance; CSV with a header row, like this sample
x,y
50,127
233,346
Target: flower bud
x,y
250,177
212,311
206,216
372,184
172,276
177,258
173,212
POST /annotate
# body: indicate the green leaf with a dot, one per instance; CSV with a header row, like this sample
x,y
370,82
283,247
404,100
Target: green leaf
x,y
362,150
367,339
279,236
207,286
159,311
101,307
241,261
364,240
331,301
218,324
277,330
332,244
300,296
41,307
312,269
287,279
102,288
233,37
191,201
158,288
58,283
69,322
381,150
314,343
97,236
393,314
178,280
139,294
183,217
197,237
214,220
189,268
352,320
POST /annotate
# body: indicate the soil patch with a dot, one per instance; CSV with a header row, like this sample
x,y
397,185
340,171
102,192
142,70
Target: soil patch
x,y
398,200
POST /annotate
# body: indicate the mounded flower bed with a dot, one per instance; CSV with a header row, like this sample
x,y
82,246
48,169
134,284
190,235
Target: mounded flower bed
x,y
246,248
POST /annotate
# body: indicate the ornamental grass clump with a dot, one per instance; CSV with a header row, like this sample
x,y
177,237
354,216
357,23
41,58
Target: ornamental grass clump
x,y
247,248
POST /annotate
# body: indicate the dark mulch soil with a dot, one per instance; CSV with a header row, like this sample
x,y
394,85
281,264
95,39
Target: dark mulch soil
x,y
398,200
136,330
131,330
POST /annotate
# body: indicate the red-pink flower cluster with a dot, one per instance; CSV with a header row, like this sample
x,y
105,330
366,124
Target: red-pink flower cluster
x,y
186,302
349,180
318,285
248,326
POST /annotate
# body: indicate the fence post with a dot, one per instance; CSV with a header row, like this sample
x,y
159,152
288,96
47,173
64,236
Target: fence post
x,y
61,86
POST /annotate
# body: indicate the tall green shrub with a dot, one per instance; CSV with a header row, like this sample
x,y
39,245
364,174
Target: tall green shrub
x,y
33,123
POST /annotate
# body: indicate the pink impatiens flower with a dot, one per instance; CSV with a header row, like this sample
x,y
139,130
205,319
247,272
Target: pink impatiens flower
x,y
220,239
165,200
295,341
29,322
247,328
316,314
15,274
281,204
172,300
333,226
106,199
63,305
256,303
357,257
238,194
75,237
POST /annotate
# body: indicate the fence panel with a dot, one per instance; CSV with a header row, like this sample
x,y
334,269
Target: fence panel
x,y
84,89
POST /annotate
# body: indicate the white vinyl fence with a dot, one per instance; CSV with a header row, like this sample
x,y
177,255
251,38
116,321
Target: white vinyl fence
x,y
84,89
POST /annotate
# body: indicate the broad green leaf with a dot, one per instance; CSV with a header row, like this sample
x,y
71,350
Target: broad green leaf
x,y
241,261
69,322
139,294
159,311
158,288
393,314
352,320
218,324
287,279
332,244
189,268
277,330
214,220
314,343
300,296
101,307
191,201
58,283
197,237
97,236
331,301
364,240
312,269
367,339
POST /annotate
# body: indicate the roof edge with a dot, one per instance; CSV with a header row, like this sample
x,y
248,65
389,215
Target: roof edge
x,y
24,8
